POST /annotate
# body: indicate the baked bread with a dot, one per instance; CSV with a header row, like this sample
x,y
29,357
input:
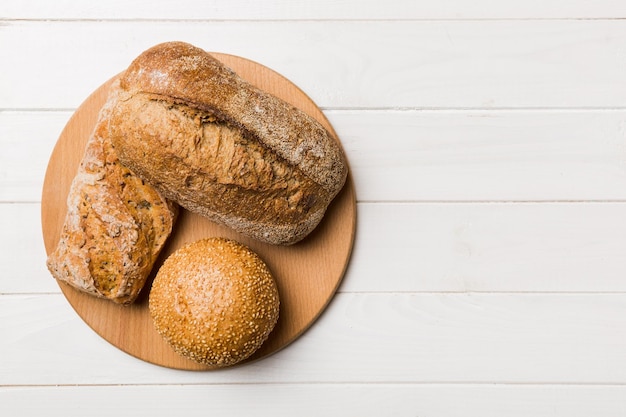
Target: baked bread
x,y
222,148
115,226
214,301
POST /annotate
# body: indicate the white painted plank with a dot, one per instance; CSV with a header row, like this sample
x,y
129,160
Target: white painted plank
x,y
22,253
366,338
485,155
26,143
489,247
309,9
363,64
413,155
276,400
422,248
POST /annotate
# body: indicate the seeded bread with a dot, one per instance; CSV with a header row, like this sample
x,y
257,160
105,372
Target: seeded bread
x,y
222,148
115,226
214,301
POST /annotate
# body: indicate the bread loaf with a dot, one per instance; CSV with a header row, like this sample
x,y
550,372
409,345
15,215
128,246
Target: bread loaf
x,y
115,225
222,148
214,301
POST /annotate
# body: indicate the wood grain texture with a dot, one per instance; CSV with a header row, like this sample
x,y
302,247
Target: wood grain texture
x,y
560,247
485,155
480,247
307,274
492,400
326,9
480,155
22,252
402,337
417,64
28,138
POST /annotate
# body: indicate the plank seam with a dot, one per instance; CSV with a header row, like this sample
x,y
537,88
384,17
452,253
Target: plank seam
x,y
4,20
336,383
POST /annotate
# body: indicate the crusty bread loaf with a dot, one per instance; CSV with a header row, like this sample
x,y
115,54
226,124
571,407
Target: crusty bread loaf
x,y
222,148
115,226
214,301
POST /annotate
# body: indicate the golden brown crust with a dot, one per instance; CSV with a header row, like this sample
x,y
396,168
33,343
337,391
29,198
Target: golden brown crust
x,y
222,148
115,226
214,301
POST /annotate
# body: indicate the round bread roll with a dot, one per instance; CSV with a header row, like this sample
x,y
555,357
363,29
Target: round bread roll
x,y
214,301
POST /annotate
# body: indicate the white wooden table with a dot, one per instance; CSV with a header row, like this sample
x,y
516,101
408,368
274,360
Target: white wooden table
x,y
487,140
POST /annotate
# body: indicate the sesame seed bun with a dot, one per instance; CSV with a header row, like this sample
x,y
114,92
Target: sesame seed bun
x,y
214,301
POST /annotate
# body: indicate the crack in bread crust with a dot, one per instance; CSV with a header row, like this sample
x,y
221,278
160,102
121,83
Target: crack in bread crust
x,y
190,155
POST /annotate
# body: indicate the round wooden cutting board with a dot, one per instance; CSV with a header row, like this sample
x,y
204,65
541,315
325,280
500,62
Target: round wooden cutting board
x,y
307,273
